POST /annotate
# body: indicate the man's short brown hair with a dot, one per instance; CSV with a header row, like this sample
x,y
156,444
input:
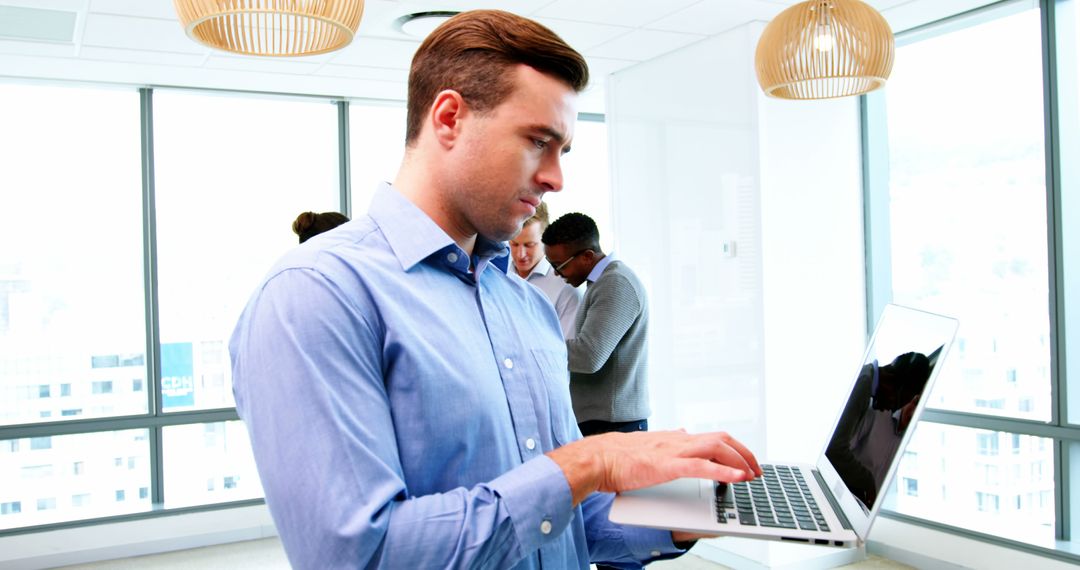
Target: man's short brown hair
x,y
472,52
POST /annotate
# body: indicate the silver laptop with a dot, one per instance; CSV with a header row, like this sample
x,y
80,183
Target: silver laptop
x,y
835,501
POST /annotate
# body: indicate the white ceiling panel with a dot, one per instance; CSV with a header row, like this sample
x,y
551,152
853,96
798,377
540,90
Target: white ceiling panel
x,y
523,7
600,68
634,14
260,64
376,52
41,49
584,36
641,45
361,72
105,30
715,16
161,9
138,56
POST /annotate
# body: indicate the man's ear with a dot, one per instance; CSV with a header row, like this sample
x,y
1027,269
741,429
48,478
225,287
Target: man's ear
x,y
446,114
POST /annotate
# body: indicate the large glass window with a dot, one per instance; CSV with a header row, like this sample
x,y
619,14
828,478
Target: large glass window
x,y
232,174
972,216
71,274
376,146
587,180
968,209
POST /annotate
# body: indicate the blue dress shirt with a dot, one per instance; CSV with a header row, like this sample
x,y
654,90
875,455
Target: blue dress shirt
x,y
400,397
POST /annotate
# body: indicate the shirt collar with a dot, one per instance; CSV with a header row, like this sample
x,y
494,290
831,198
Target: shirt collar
x,y
413,236
600,266
541,268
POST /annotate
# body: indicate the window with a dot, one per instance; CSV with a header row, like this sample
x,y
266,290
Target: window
x,y
74,468
12,508
987,443
103,387
137,385
911,487
41,443
46,504
119,495
264,172
586,176
376,146
9,445
209,462
96,211
943,160
987,502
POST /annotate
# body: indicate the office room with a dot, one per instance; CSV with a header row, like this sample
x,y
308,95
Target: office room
x,y
149,182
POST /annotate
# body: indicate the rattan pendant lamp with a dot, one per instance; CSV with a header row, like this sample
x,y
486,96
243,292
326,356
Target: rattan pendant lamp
x,y
271,27
821,49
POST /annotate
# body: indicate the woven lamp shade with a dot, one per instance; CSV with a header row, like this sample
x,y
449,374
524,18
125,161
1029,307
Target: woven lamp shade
x,y
271,27
822,49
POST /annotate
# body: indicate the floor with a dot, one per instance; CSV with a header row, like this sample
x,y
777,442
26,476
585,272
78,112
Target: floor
x,y
267,554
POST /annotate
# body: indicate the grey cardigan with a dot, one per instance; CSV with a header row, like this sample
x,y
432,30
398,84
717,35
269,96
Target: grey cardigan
x,y
609,356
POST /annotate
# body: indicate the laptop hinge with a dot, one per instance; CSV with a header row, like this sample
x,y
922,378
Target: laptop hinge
x,y
832,500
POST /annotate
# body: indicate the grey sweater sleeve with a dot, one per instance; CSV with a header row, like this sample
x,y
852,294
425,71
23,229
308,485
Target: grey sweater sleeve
x,y
610,307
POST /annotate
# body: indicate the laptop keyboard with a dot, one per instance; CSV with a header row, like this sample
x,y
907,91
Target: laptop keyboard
x,y
779,498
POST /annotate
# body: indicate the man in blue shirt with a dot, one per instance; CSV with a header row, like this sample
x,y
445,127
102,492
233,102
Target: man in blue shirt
x,y
406,398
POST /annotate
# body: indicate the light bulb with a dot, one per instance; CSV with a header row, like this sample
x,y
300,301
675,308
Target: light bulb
x,y
824,42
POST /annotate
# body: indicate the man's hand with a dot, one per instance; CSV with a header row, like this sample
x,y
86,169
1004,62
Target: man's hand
x,y
613,462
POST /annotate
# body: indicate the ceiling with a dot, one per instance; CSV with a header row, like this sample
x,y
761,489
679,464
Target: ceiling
x,y
140,42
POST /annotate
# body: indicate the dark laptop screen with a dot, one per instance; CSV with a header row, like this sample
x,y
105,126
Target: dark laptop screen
x,y
894,376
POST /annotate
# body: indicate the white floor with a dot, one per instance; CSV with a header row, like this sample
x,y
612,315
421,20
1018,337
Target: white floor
x,y
267,554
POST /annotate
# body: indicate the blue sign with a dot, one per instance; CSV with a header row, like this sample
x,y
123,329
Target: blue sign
x,y
177,375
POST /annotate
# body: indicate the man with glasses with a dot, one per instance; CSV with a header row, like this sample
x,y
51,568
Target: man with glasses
x,y
608,355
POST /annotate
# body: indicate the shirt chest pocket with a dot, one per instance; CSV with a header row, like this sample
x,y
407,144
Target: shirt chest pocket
x,y
554,389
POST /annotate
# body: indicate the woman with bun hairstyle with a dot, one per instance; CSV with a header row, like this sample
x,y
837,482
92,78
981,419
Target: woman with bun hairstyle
x,y
311,224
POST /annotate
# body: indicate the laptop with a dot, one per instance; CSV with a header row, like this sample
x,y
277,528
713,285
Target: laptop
x,y
833,502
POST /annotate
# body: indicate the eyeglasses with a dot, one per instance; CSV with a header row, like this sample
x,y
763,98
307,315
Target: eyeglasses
x,y
558,268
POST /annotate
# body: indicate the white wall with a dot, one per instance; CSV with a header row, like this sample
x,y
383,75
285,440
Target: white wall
x,y
700,160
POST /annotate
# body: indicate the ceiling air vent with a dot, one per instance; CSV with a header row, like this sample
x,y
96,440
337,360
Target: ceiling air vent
x,y
36,25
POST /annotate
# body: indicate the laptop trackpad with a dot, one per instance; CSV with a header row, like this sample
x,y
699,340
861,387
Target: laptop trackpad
x,y
668,505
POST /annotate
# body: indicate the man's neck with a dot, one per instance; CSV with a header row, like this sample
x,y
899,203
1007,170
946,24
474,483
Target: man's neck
x,y
412,183
525,274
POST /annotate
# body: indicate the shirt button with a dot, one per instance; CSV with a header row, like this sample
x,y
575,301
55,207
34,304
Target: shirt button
x,y
451,257
509,364
530,444
654,553
545,527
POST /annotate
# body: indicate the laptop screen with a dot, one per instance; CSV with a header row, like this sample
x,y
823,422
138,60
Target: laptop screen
x,y
896,373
